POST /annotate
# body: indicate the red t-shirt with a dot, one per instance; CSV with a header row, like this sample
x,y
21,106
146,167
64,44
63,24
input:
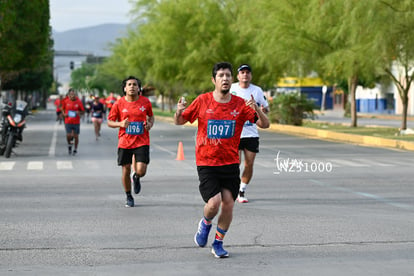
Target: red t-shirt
x,y
110,101
135,135
57,104
70,107
219,128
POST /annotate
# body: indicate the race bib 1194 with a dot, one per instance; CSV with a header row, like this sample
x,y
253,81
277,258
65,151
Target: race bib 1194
x,y
135,128
220,129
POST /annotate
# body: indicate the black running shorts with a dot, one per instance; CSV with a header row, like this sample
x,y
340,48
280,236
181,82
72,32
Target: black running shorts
x,y
249,143
141,155
215,178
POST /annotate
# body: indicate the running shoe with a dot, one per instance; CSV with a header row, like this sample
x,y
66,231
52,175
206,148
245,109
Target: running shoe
x,y
218,251
129,201
201,236
137,183
75,152
242,198
70,150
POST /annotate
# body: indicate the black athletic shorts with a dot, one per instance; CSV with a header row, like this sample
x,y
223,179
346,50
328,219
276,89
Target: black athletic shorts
x,y
215,178
141,155
249,143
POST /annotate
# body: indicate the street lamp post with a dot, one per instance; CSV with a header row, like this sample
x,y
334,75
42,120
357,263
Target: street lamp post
x,y
324,90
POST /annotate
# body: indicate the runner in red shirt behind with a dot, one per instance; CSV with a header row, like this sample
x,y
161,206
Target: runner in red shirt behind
x,y
58,104
221,117
133,115
109,101
72,109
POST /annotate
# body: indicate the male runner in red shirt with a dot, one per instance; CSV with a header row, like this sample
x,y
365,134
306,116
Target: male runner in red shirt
x,y
72,109
221,117
133,115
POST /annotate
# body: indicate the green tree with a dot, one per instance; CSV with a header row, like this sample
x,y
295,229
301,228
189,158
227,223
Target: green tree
x,y
25,43
333,38
178,62
395,39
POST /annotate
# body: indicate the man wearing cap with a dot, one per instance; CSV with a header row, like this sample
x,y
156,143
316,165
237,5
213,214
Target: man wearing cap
x,y
249,142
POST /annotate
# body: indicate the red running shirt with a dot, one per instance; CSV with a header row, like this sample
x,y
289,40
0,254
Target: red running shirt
x,y
219,128
135,135
71,107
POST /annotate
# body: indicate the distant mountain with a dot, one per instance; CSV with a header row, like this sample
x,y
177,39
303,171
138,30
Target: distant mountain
x,y
94,40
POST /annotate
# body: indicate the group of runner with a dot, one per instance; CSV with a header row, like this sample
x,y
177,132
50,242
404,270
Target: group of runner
x,y
227,128
70,109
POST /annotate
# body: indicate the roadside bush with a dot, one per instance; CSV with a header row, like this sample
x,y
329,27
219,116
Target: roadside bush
x,y
291,109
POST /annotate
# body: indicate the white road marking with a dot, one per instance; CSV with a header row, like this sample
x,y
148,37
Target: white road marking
x,y
64,165
367,195
35,165
52,148
7,165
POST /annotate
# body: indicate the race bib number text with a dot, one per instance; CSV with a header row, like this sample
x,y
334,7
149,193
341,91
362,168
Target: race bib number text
x,y
135,128
220,129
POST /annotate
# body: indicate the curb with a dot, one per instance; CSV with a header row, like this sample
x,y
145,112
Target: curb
x,y
327,135
343,137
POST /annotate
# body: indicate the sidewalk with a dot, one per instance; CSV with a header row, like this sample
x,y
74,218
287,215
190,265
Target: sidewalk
x,y
340,114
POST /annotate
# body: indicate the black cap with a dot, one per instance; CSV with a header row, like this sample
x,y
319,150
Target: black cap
x,y
244,67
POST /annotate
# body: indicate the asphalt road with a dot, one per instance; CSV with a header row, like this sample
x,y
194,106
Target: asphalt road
x,y
316,208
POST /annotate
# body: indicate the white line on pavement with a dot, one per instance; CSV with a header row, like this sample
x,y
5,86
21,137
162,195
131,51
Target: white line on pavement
x,y
7,166
64,165
367,195
52,148
35,165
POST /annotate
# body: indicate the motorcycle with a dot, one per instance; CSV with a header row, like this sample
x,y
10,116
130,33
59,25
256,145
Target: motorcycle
x,y
13,123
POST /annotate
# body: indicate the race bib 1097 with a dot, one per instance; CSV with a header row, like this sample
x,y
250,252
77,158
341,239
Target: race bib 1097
x,y
135,128
220,129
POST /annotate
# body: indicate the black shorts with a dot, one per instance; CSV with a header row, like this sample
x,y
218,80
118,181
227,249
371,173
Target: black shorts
x,y
250,143
72,127
141,155
215,178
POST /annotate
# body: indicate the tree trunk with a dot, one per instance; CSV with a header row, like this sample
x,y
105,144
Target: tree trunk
x,y
404,101
352,84
170,101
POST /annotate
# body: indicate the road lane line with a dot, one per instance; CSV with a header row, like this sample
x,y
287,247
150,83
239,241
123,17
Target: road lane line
x,y
52,148
367,195
162,149
347,163
7,166
64,165
374,163
35,165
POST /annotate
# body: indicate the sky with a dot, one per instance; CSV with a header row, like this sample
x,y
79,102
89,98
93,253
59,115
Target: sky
x,y
72,14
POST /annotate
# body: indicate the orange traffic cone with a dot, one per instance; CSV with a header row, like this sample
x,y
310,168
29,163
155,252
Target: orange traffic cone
x,y
180,151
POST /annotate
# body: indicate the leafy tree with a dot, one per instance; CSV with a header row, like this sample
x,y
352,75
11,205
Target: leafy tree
x,y
396,42
331,37
178,62
25,43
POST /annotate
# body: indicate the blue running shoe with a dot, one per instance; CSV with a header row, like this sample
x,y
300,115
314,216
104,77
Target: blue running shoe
x,y
201,236
129,201
218,251
137,183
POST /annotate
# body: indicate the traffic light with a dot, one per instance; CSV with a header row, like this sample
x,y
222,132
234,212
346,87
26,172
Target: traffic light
x,y
71,65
